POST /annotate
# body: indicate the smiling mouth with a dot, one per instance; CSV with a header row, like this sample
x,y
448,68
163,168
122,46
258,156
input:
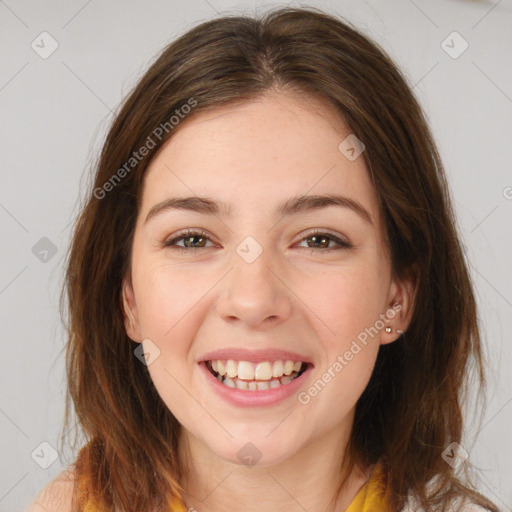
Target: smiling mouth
x,y
256,384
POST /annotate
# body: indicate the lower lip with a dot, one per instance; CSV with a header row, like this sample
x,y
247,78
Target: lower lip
x,y
258,398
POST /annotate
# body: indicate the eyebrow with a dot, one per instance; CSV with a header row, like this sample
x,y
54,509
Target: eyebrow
x,y
292,206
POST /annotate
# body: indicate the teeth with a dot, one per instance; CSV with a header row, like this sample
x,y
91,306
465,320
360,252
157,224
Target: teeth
x,y
231,368
288,367
256,385
241,384
263,371
277,369
229,382
245,370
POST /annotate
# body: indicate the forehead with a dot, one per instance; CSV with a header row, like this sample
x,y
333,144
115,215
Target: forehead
x,y
257,153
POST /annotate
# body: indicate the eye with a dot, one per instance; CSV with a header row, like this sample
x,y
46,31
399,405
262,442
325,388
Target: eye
x,y
322,239
190,238
193,240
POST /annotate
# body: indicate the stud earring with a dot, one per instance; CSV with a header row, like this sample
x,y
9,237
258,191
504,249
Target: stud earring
x,y
398,331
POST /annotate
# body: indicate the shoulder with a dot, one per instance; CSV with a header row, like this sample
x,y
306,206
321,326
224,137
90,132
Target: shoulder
x,y
55,496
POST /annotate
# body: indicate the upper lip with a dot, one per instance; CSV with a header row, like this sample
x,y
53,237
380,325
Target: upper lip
x,y
255,356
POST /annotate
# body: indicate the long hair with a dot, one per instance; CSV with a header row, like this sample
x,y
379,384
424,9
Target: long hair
x,y
412,408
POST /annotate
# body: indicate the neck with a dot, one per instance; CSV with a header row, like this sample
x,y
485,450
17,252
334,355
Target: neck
x,y
308,480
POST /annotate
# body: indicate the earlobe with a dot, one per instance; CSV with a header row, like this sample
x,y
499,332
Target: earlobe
x,y
130,313
401,307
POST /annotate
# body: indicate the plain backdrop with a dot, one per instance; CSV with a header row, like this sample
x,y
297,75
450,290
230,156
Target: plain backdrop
x,y
56,108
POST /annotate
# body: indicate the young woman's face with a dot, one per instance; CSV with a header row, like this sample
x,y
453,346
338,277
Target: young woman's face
x,y
256,283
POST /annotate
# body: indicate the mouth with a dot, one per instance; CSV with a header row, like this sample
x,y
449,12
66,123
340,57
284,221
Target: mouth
x,y
248,376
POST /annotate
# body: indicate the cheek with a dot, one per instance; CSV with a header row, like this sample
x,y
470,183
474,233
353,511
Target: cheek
x,y
169,376
164,298
355,319
168,302
344,384
171,304
346,301
349,305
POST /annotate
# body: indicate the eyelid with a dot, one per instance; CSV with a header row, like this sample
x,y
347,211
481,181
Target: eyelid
x,y
341,241
319,231
188,232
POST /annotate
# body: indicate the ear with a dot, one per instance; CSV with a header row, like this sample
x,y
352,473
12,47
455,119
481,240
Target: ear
x,y
130,313
401,301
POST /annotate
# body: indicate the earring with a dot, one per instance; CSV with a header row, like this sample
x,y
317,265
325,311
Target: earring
x,y
398,331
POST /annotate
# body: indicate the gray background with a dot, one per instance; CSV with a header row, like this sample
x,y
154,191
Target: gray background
x,y
56,110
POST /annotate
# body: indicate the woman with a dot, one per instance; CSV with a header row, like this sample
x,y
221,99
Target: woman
x,y
269,305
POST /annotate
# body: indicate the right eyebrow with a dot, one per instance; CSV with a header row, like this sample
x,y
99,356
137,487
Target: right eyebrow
x,y
292,206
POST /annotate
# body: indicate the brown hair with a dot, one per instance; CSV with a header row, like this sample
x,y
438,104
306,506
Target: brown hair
x,y
411,409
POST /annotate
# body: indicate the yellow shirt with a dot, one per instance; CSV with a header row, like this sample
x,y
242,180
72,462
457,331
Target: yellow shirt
x,y
370,498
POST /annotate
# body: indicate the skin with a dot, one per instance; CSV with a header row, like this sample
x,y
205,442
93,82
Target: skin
x,y
294,296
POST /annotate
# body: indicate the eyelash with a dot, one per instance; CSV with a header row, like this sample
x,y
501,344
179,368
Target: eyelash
x,y
191,233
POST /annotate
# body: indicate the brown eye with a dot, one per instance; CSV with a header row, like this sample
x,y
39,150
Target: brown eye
x,y
321,240
192,240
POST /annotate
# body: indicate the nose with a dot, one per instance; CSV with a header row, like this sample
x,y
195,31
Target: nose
x,y
255,294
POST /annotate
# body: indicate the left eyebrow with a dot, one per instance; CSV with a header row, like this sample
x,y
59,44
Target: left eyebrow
x,y
292,206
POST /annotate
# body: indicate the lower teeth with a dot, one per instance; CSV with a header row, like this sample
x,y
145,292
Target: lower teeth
x,y
257,385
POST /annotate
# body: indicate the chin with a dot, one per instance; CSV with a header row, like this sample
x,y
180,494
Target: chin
x,y
255,452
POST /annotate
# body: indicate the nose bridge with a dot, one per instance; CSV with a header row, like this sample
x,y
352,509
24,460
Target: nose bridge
x,y
252,291
252,267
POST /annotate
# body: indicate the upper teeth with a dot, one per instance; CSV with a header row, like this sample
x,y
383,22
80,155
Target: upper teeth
x,y
255,371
